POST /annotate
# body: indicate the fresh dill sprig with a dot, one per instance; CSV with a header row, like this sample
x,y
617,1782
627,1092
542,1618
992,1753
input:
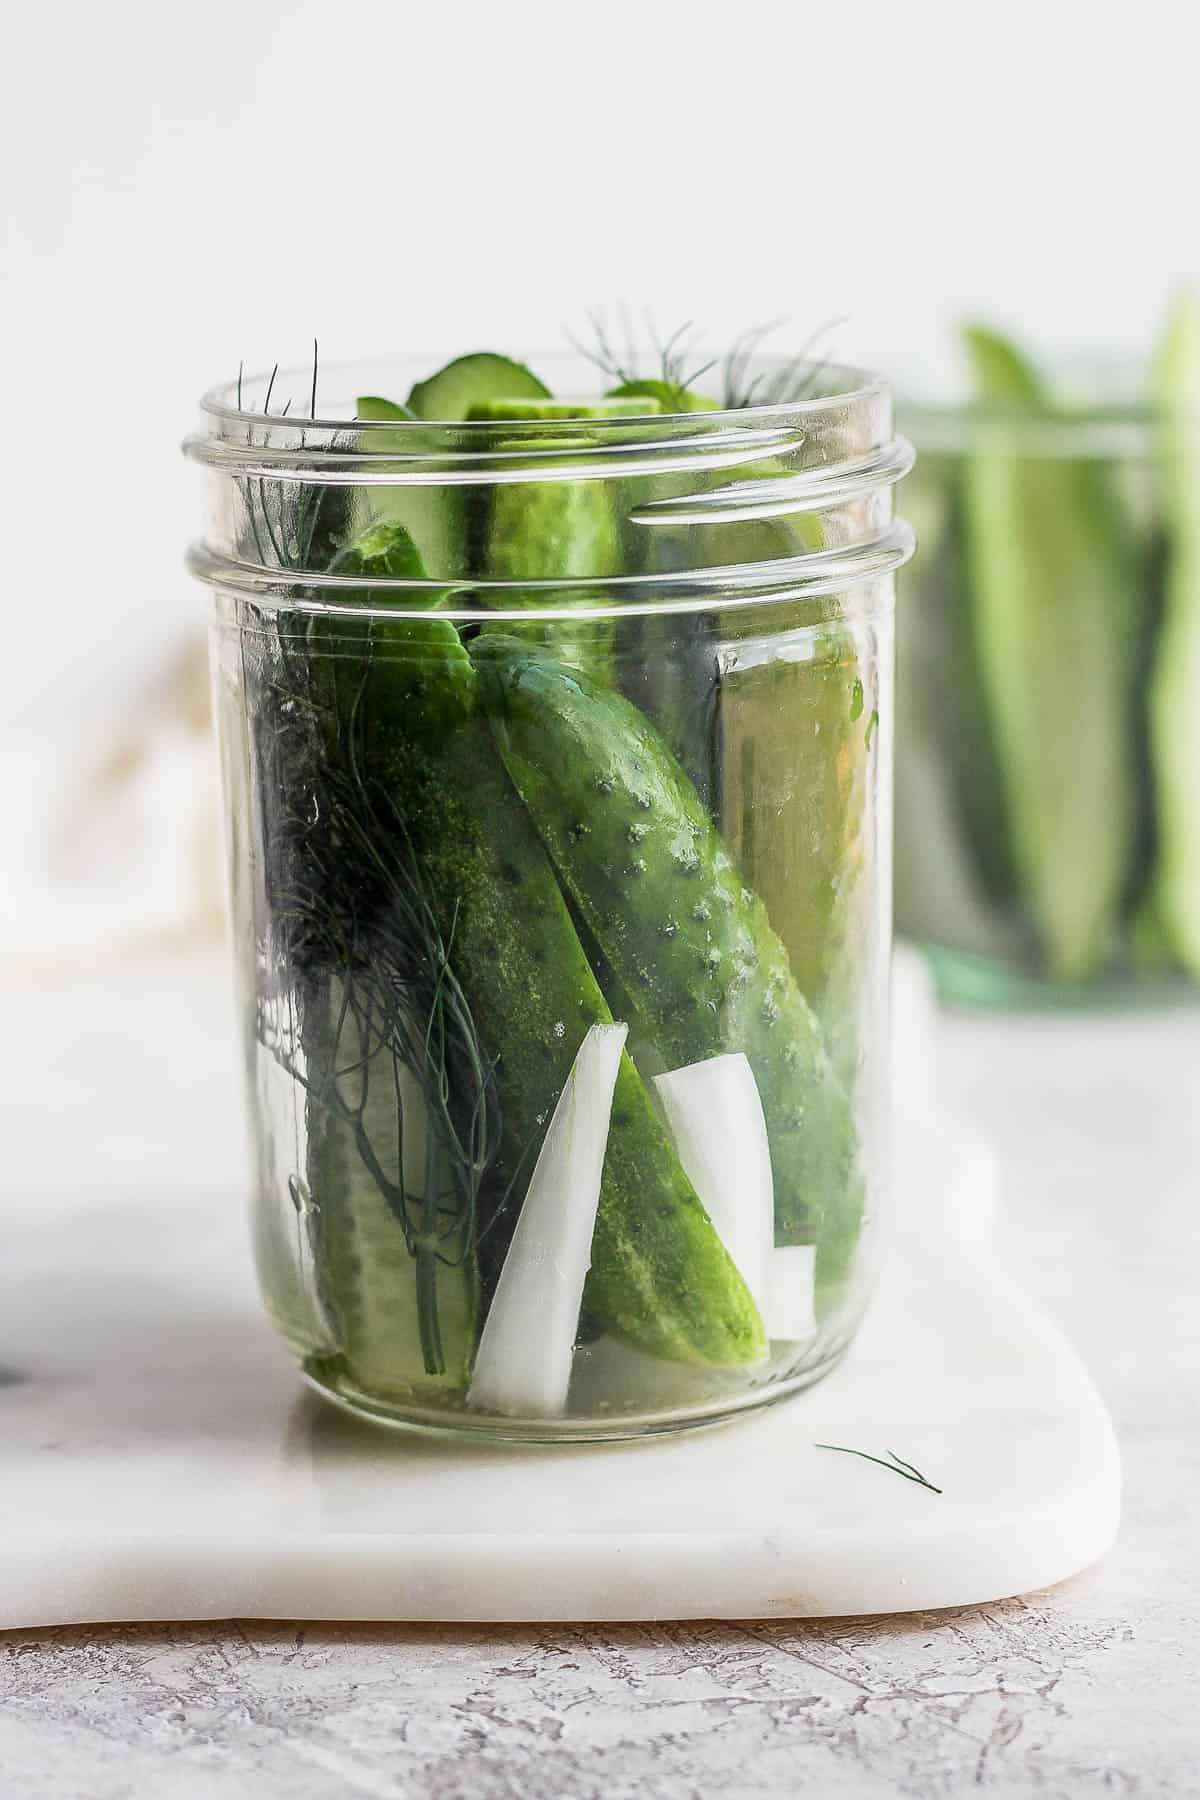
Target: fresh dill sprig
x,y
678,365
282,516
352,926
354,932
675,366
796,379
896,1464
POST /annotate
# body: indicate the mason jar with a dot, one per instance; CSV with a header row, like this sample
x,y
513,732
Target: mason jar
x,y
1047,828
557,769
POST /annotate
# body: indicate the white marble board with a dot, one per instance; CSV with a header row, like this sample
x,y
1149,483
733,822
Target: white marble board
x,y
159,1458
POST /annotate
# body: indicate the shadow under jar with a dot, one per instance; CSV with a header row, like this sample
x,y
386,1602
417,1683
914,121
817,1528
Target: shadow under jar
x,y
1047,828
557,764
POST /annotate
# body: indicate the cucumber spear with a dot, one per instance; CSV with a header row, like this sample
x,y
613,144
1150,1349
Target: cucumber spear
x,y
562,530
689,946
1175,684
1052,579
471,896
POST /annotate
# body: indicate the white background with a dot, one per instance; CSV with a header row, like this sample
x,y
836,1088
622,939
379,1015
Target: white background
x,y
188,185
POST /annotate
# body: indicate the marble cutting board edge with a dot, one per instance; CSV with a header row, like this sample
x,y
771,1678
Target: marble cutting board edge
x,y
162,1465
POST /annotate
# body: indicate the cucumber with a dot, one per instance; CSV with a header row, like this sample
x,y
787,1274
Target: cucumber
x,y
447,397
606,406
660,1275
433,517
799,725
366,1273
955,884
675,670
366,671
402,1306
440,519
406,701
668,397
564,530
1175,683
687,942
1052,583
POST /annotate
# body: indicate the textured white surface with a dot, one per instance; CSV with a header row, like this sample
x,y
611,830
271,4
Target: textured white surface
x,y
1088,1690
159,1461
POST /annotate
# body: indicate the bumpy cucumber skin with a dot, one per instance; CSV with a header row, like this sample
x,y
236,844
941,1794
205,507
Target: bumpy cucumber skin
x,y
560,531
690,945
660,1275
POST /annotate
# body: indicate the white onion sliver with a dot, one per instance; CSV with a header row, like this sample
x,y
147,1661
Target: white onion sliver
x,y
523,1364
790,1316
716,1118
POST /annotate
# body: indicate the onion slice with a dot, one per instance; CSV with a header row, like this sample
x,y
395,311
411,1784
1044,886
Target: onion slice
x,y
716,1118
791,1293
523,1364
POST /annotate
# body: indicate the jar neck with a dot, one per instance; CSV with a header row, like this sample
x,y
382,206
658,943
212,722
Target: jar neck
x,y
612,513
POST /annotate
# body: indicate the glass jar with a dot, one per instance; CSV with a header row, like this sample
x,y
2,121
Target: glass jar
x,y
557,764
1047,831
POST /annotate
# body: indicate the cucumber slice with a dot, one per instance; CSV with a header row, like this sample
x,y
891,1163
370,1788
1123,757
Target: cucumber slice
x,y
954,883
552,531
671,399
691,947
798,733
433,517
1052,582
606,406
375,408
448,396
367,1276
441,520
1175,685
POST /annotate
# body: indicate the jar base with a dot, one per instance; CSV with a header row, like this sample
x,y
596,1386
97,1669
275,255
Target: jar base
x,y
964,979
328,1377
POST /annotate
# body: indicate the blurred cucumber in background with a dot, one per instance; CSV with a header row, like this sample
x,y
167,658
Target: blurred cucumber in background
x,y
1048,633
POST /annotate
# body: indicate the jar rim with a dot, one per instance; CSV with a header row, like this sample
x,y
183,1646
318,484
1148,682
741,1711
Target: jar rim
x,y
842,384
829,451
1102,430
814,575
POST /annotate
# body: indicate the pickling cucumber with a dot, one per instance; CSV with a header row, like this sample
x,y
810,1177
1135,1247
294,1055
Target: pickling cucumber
x,y
799,732
954,880
1175,683
448,396
439,519
667,396
399,1293
433,517
551,530
660,1274
367,1276
689,944
604,406
1052,580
